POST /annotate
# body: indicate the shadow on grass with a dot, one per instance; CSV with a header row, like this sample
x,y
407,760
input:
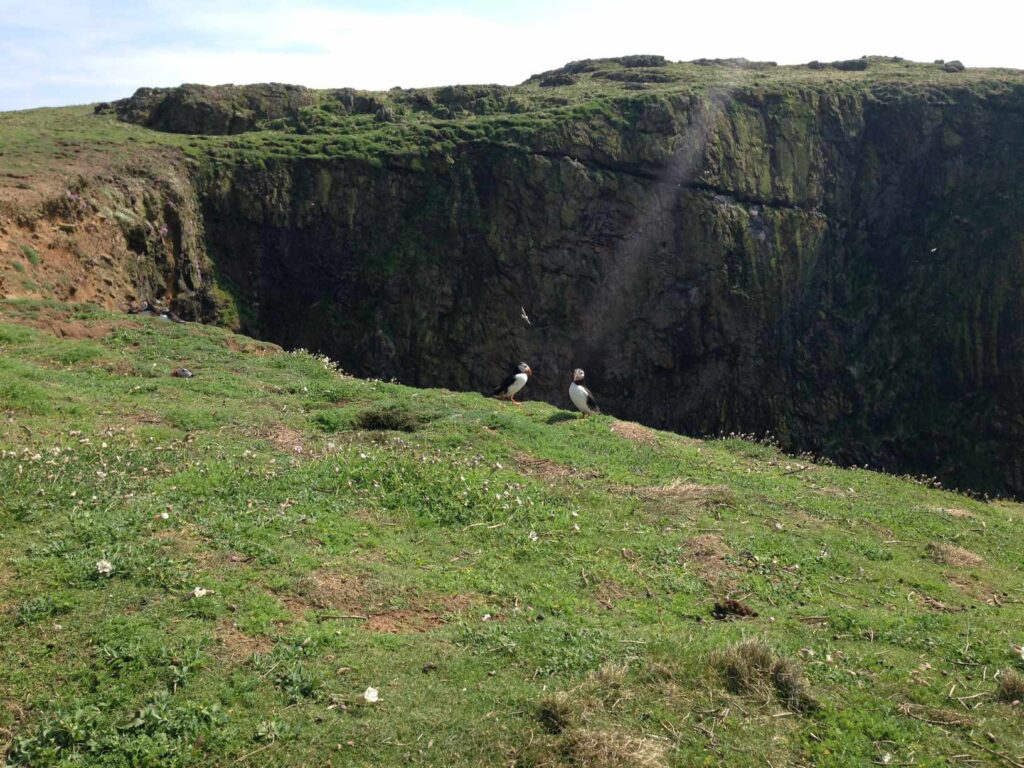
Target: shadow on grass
x,y
555,418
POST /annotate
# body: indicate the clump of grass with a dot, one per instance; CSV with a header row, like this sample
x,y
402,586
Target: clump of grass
x,y
613,749
1011,686
751,667
950,554
388,418
31,254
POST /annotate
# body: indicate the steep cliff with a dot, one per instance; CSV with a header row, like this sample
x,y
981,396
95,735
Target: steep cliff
x,y
833,254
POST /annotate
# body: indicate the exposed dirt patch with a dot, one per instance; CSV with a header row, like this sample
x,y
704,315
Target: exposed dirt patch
x,y
401,622
188,545
236,646
251,347
332,590
343,595
546,469
608,592
937,605
286,439
952,512
977,589
75,329
632,431
710,558
950,554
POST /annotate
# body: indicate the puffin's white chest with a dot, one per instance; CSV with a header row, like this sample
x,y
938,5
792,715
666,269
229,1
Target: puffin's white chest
x,y
579,396
518,382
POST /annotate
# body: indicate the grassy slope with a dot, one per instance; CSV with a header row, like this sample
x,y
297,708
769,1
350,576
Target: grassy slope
x,y
297,520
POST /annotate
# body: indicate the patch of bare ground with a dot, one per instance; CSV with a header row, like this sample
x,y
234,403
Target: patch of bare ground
x,y
977,589
951,511
546,469
635,432
607,592
236,646
936,605
950,554
336,594
711,559
186,544
287,439
251,346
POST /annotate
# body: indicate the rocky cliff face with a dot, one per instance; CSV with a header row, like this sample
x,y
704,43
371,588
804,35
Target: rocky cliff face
x,y
839,262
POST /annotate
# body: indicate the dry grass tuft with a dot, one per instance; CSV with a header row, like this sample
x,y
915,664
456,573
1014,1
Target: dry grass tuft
x,y
681,491
711,559
950,554
613,749
751,667
545,469
634,432
935,716
1011,686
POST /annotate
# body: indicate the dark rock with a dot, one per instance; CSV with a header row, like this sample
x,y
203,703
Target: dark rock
x,y
850,65
213,109
953,66
558,79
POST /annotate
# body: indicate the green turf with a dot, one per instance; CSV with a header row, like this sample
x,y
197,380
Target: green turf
x,y
336,557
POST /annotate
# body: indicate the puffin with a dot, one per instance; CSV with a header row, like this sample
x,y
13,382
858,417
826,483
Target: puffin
x,y
515,381
582,397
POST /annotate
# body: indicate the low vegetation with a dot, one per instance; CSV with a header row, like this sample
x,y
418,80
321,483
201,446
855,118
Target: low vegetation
x,y
198,571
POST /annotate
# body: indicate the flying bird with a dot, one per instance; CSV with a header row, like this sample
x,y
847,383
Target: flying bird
x,y
582,397
515,381
525,316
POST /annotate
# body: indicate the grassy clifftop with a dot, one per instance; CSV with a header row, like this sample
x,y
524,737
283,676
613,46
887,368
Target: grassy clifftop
x,y
213,571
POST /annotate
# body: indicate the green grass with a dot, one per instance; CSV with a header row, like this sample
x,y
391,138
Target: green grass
x,y
353,533
31,254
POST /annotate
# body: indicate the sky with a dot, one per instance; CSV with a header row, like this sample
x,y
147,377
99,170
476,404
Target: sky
x,y
60,52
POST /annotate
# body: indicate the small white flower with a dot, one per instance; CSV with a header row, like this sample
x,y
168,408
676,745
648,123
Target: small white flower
x,y
362,455
576,527
533,536
575,514
371,695
165,516
104,567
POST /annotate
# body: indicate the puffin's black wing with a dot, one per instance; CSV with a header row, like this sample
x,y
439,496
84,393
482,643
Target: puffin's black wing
x,y
508,382
591,402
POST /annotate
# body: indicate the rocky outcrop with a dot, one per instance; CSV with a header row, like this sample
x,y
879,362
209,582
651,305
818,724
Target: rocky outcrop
x,y
212,109
841,266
